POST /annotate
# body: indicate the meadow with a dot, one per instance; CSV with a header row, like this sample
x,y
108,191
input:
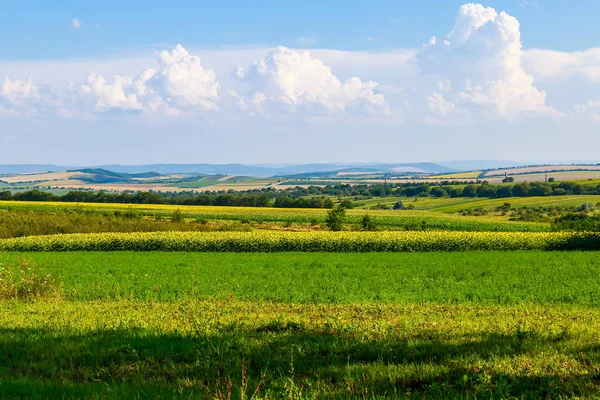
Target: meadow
x,y
386,219
159,301
296,325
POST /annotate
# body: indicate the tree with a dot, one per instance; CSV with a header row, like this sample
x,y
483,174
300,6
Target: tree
x,y
438,192
469,191
336,218
504,191
550,179
367,223
398,206
346,204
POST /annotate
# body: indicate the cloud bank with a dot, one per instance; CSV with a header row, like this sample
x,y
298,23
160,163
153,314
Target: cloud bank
x,y
474,74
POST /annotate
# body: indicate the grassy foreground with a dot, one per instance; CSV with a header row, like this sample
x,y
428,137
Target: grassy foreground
x,y
300,325
125,349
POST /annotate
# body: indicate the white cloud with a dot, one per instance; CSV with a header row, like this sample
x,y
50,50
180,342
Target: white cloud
x,y
182,80
179,83
24,98
109,96
481,60
293,81
563,65
76,23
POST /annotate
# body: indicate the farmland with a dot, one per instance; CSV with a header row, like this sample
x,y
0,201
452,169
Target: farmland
x,y
105,300
387,219
217,325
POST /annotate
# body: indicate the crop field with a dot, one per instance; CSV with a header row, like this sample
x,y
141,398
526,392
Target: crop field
x,y
387,219
166,301
269,241
297,325
458,176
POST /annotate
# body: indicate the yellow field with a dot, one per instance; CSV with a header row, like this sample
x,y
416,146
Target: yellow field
x,y
53,176
458,176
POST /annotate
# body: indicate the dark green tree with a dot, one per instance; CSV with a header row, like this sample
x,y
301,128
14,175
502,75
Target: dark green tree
x,y
336,218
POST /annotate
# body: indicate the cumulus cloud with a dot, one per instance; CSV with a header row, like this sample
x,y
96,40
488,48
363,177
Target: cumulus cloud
x,y
294,81
182,80
107,96
179,83
24,98
481,59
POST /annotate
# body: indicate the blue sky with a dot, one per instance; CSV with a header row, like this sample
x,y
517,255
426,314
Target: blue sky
x,y
42,29
266,81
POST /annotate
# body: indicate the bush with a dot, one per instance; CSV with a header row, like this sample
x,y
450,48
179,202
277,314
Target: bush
x,y
336,218
347,204
398,206
177,216
367,223
586,207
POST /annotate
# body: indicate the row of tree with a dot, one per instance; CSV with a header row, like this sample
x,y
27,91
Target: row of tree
x,y
311,197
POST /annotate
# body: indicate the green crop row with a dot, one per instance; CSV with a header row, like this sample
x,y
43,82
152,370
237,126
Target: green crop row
x,y
412,220
272,241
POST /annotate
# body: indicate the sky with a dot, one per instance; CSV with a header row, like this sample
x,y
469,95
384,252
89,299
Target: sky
x,y
259,82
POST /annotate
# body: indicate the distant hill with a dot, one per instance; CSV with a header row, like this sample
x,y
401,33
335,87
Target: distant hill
x,y
227,169
479,165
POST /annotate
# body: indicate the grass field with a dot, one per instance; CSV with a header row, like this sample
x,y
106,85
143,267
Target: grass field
x,y
385,219
259,312
474,278
184,325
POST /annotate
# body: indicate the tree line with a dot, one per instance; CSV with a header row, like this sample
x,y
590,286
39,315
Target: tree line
x,y
310,197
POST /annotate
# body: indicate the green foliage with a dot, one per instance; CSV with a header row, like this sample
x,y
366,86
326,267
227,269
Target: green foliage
x,y
177,216
318,241
577,222
368,224
347,204
398,205
336,218
18,223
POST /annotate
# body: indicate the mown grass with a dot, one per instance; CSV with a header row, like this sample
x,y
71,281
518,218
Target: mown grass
x,y
473,278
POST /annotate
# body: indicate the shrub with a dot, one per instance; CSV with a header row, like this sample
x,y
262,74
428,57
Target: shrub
x,y
336,218
398,206
586,207
177,216
347,204
367,223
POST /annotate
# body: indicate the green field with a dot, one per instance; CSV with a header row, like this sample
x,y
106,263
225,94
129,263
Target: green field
x,y
474,278
267,303
385,219
294,325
